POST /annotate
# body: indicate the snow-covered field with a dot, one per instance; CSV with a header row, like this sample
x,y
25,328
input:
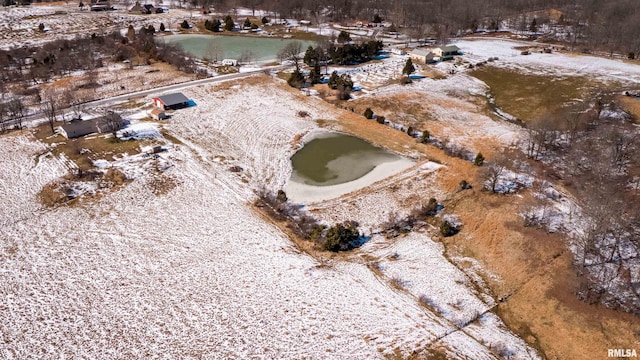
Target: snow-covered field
x,y
196,273
556,63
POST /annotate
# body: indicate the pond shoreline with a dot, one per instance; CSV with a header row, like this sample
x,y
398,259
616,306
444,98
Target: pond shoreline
x,y
304,189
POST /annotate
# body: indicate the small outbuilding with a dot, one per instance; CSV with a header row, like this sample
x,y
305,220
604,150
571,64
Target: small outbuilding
x,y
171,101
422,56
158,114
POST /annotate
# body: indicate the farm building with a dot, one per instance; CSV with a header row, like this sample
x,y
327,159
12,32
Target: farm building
x,y
446,52
79,128
171,101
158,114
422,56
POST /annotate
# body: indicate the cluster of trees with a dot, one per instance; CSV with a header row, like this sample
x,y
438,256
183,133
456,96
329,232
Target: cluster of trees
x,y
61,57
342,83
610,25
598,158
12,113
212,25
338,237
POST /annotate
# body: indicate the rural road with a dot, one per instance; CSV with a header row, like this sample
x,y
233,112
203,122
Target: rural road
x,y
39,117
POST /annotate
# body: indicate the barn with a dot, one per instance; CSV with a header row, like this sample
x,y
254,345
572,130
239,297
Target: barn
x,y
173,101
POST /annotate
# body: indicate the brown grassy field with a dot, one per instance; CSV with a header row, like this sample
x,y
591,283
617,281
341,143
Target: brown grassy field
x,y
535,268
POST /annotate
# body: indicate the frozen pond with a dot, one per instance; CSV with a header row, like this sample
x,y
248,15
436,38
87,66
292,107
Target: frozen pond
x,y
334,164
244,48
335,159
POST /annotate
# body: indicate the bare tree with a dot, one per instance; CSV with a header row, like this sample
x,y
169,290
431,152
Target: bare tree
x,y
112,121
17,111
492,172
50,106
292,52
75,100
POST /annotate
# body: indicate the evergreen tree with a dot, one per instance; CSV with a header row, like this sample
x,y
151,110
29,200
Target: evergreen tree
x,y
131,33
368,113
333,80
425,136
215,25
162,28
310,56
377,19
41,27
408,68
479,160
247,23
314,76
534,25
344,37
264,20
339,236
228,23
184,25
296,79
151,29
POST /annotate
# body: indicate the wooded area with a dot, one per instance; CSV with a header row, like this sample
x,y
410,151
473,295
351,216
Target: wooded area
x,y
610,26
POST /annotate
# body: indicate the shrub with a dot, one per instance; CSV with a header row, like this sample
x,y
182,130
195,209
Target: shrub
x,y
339,236
228,23
368,113
408,68
184,25
344,37
479,160
447,229
282,196
464,185
265,20
425,136
380,119
296,79
410,131
431,208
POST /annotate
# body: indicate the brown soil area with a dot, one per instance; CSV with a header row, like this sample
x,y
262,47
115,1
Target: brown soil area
x,y
535,270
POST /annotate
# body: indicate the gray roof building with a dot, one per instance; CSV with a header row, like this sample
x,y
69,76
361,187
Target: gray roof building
x,y
171,101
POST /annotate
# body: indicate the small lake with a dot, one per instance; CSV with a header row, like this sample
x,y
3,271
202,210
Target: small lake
x,y
335,159
232,47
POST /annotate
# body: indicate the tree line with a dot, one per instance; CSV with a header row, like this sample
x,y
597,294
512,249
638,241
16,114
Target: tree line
x,y
585,24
